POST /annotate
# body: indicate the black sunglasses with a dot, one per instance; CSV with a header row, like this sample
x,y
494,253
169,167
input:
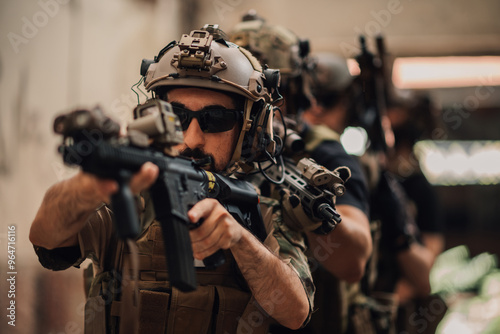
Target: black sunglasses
x,y
210,120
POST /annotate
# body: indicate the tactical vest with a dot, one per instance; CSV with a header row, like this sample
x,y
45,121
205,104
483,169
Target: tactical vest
x,y
222,302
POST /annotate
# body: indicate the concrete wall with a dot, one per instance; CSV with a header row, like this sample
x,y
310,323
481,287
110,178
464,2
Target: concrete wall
x,y
55,56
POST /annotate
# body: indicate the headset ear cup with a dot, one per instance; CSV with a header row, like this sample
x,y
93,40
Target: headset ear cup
x,y
258,143
249,152
246,141
264,140
270,143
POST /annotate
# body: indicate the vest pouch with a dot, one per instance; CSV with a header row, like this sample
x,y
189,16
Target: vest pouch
x,y
191,312
153,311
232,303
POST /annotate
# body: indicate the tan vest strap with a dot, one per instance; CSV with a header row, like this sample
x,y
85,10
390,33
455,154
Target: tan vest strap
x,y
153,276
156,237
129,320
152,263
95,308
116,308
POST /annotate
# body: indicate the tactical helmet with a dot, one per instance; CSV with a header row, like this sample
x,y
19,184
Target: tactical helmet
x,y
277,47
203,59
328,78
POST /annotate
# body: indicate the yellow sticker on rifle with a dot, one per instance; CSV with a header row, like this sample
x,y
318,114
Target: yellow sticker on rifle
x,y
211,181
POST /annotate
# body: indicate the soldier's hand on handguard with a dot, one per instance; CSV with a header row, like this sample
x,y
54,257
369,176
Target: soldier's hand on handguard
x,y
218,229
68,204
95,190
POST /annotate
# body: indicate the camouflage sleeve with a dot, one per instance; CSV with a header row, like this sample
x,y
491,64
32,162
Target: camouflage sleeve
x,y
289,246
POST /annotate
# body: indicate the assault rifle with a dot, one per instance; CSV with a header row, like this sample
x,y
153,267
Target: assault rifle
x,y
372,101
315,188
92,141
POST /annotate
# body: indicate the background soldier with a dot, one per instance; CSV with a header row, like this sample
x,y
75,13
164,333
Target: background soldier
x,y
340,256
371,304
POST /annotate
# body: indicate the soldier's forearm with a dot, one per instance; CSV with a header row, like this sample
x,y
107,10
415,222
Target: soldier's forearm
x,y
64,210
275,286
345,251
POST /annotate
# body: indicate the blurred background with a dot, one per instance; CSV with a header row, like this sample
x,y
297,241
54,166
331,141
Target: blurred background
x,y
56,55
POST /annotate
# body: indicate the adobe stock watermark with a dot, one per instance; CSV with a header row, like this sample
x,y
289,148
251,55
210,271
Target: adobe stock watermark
x,y
421,318
258,317
409,165
322,251
455,115
31,26
381,19
223,7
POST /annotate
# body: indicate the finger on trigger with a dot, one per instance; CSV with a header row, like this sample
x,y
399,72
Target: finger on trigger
x,y
201,209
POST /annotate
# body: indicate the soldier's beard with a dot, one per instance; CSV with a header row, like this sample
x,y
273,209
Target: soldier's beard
x,y
205,160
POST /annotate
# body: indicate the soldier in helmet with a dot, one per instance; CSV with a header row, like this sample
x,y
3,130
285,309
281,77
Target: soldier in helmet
x,y
220,93
396,253
276,47
344,252
329,87
279,47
